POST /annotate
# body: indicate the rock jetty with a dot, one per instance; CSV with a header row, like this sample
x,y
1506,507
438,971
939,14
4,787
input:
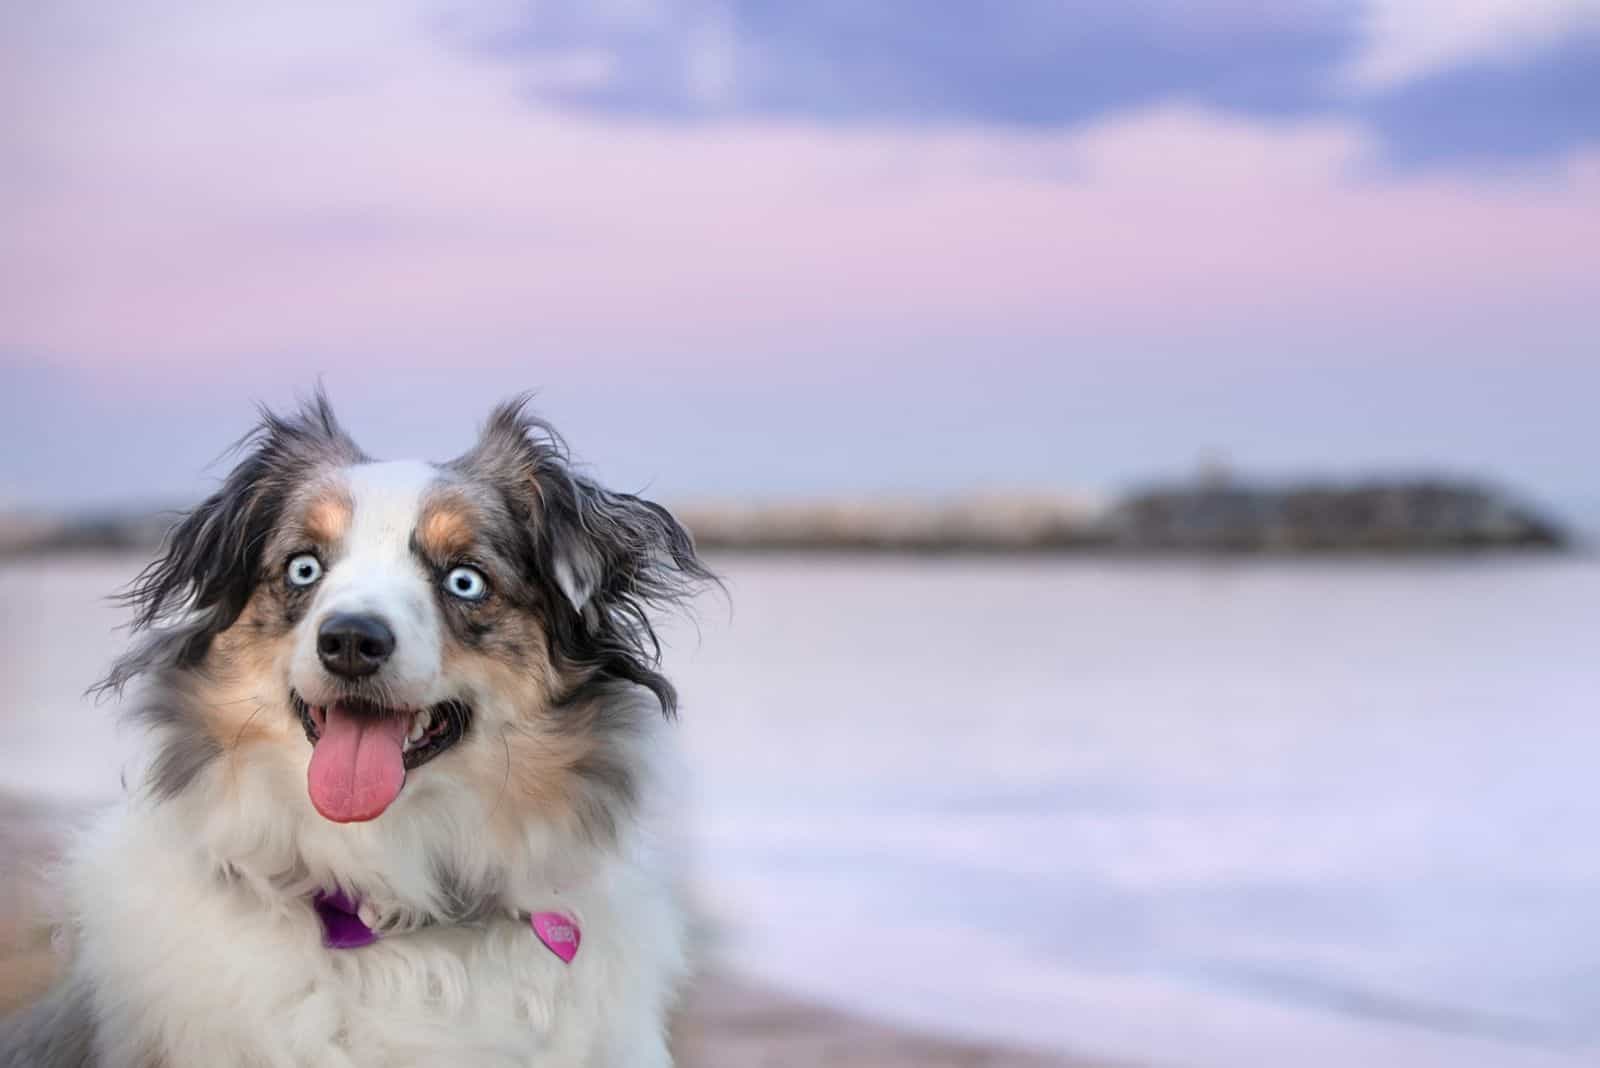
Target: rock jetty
x,y
1208,515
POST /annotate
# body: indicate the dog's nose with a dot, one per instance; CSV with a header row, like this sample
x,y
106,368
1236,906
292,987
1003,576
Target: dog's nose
x,y
352,645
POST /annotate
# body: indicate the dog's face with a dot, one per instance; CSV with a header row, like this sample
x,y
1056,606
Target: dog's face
x,y
394,603
371,628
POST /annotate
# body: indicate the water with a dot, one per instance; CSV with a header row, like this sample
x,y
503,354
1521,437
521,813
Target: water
x,y
1177,813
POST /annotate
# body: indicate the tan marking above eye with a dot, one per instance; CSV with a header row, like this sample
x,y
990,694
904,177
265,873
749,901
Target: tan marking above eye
x,y
328,515
445,531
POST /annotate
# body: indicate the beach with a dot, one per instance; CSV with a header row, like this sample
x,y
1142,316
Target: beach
x,y
735,1023
1186,813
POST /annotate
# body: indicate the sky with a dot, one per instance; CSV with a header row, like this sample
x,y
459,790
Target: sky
x,y
763,249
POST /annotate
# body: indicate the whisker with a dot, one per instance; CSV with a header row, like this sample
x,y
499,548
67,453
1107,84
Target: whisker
x,y
233,749
505,781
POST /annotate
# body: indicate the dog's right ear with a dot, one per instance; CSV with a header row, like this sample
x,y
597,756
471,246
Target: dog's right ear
x,y
210,561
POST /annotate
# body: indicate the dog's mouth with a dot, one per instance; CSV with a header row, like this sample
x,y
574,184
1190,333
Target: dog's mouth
x,y
429,731
361,750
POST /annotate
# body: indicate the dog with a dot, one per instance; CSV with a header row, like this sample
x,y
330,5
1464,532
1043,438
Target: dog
x,y
408,795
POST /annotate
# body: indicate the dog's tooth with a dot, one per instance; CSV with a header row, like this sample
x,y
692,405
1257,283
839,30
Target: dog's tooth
x,y
419,726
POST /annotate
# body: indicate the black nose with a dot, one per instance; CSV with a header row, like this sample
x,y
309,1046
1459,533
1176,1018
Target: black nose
x,y
353,645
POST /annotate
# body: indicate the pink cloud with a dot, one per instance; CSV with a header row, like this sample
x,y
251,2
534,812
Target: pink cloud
x,y
204,189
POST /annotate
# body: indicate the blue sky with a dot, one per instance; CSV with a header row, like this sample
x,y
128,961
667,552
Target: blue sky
x,y
778,249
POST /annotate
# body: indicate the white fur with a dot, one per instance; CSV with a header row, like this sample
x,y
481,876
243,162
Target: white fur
x,y
577,580
216,972
200,951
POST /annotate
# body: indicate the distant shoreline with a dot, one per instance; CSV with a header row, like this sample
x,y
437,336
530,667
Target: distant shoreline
x,y
1212,516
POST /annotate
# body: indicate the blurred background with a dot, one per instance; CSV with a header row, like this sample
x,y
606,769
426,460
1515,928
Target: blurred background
x,y
1150,447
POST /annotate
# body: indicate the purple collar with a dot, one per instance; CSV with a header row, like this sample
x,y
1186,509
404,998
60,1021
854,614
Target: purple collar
x,y
342,927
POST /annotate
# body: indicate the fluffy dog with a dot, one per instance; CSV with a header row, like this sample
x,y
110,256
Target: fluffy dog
x,y
407,726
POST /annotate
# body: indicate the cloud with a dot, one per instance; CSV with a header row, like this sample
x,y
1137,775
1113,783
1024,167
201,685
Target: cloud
x,y
1418,71
1494,111
1405,40
1026,63
191,185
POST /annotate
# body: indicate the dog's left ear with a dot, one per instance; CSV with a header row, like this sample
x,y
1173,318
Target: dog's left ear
x,y
604,545
607,560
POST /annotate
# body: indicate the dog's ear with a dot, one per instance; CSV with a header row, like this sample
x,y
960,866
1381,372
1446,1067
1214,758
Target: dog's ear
x,y
606,560
604,545
210,561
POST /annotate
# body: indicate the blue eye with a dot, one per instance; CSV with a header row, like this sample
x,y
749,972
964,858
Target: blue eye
x,y
467,583
304,570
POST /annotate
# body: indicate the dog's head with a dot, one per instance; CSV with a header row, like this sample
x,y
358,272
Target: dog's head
x,y
374,630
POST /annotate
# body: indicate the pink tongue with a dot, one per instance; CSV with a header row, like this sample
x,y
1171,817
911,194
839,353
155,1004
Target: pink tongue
x,y
358,765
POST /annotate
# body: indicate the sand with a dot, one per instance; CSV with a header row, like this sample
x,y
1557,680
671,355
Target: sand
x,y
729,1023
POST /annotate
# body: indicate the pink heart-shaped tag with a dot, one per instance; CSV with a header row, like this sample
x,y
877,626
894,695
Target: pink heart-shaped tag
x,y
558,931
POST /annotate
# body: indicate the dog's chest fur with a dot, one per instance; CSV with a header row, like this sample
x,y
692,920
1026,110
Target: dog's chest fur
x,y
184,968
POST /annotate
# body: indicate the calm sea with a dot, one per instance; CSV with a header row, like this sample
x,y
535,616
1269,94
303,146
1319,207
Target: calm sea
x,y
1233,813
